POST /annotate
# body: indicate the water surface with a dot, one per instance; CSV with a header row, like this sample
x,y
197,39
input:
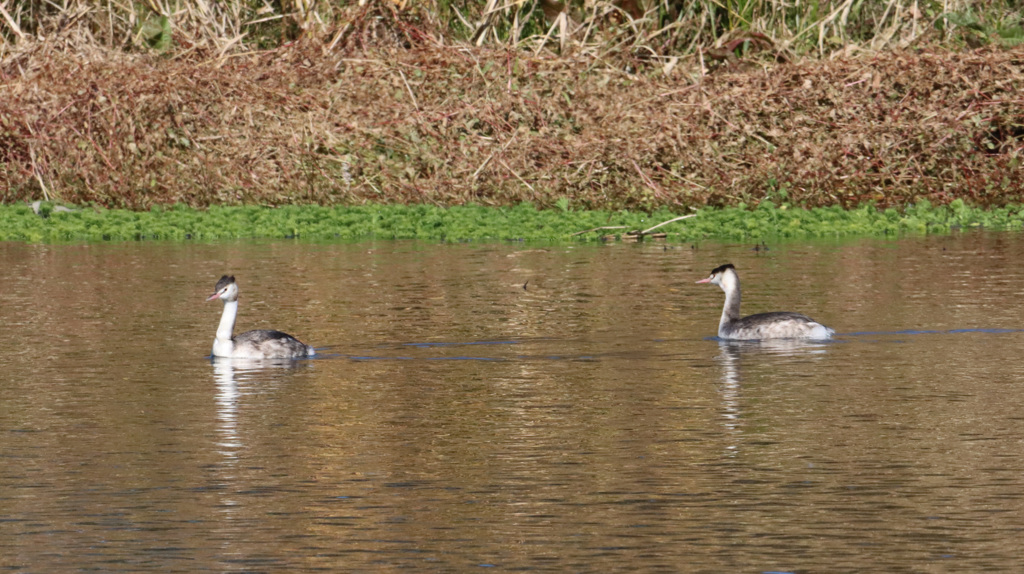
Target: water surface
x,y
512,407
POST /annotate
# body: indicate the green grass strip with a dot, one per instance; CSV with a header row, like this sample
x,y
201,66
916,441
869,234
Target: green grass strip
x,y
465,223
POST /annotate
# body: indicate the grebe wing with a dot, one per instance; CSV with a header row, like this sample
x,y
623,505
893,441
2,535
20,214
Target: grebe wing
x,y
273,343
779,325
774,316
257,336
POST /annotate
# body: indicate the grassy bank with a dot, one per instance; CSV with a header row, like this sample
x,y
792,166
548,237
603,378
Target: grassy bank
x,y
468,223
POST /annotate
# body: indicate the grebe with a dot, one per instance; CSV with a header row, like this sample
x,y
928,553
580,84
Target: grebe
x,y
258,344
777,325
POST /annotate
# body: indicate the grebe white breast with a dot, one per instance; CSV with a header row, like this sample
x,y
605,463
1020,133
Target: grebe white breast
x,y
257,344
775,325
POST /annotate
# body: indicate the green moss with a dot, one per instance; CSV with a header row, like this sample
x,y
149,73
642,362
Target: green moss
x,y
465,223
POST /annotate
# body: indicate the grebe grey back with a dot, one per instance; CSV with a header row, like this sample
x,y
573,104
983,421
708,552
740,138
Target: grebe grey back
x,y
257,344
776,325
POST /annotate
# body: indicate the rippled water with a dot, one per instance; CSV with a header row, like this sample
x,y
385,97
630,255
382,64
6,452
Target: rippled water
x,y
512,407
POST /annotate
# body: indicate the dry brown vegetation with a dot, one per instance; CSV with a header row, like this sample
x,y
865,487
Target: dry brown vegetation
x,y
380,110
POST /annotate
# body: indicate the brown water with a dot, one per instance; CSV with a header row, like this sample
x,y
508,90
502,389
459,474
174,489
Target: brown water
x,y
459,421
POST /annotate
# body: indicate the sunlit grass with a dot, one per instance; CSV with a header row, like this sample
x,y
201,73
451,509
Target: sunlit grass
x,y
475,223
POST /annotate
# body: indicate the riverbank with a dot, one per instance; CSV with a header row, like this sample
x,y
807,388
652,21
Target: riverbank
x,y
454,126
522,222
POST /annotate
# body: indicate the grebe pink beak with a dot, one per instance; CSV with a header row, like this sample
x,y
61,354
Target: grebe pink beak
x,y
705,280
212,297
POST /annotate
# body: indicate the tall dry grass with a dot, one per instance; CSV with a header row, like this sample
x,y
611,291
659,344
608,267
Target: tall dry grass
x,y
496,127
280,101
637,31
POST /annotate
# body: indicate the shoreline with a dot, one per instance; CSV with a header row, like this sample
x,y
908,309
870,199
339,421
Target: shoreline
x,y
523,222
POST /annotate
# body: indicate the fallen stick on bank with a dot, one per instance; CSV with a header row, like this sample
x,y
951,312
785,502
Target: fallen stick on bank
x,y
646,231
636,234
599,229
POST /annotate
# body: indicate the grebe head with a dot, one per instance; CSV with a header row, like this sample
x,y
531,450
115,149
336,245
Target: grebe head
x,y
723,276
226,289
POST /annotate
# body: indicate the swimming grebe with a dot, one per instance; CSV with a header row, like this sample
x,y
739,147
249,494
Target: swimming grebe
x,y
258,344
777,325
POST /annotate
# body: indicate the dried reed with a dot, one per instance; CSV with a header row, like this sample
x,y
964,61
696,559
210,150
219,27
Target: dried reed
x,y
649,104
